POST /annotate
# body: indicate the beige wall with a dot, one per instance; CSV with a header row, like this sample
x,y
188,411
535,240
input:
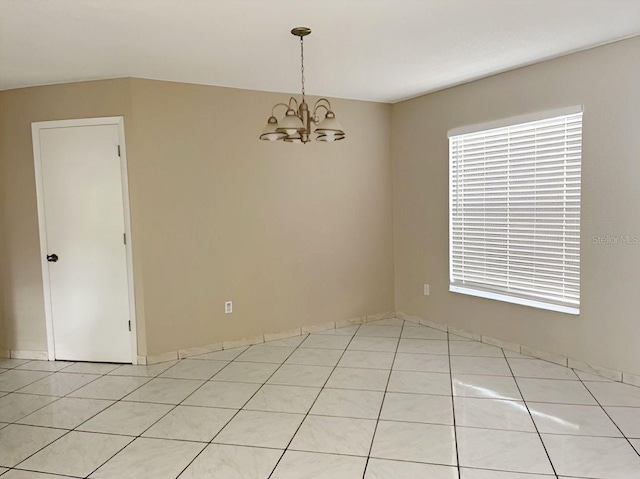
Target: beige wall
x,y
605,80
294,235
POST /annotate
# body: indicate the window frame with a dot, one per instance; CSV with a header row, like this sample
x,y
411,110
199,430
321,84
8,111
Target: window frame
x,y
495,294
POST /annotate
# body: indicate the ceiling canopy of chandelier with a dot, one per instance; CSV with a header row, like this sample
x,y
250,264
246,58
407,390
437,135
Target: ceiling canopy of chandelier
x,y
295,126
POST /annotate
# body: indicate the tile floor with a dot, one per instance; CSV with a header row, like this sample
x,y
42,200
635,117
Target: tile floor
x,y
385,400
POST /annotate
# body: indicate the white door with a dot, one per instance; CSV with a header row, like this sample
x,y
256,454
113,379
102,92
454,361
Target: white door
x,y
82,198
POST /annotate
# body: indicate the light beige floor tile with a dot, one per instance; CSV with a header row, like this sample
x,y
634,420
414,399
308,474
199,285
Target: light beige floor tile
x,y
14,407
262,429
17,442
66,413
294,375
492,387
275,398
91,368
309,465
573,419
537,368
165,390
220,461
376,330
591,377
18,474
246,372
485,449
15,379
12,363
419,383
265,354
110,387
593,457
51,366
315,357
466,473
555,391
493,414
326,341
190,423
59,384
126,418
148,458
405,441
375,344
474,348
423,346
225,355
334,435
417,408
627,419
386,469
190,369
422,332
613,393
76,454
366,360
142,371
358,378
480,365
385,322
222,394
348,403
434,363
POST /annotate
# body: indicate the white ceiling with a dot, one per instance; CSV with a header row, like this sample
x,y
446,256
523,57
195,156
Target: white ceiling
x,y
381,50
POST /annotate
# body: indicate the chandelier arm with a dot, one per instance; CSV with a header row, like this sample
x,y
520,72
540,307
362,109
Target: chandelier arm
x,y
292,99
318,103
276,106
316,107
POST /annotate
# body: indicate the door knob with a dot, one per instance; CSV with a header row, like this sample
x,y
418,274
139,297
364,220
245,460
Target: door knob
x,y
52,258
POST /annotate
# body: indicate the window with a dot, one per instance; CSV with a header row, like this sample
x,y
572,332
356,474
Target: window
x,y
515,210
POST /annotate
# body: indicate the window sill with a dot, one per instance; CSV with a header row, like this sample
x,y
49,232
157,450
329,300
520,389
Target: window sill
x,y
515,300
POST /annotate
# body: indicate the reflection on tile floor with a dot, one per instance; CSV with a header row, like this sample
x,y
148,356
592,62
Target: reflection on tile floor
x,y
385,400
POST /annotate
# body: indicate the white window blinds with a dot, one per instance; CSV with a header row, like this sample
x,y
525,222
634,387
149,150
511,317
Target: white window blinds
x,y
515,211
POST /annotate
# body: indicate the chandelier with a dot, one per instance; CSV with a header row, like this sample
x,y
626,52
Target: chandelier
x,y
295,126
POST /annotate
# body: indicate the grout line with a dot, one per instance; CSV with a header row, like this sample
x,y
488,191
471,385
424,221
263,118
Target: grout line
x,y
453,409
610,418
531,415
316,398
384,396
245,403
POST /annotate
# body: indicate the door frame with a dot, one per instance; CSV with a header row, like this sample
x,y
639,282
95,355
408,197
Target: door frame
x,y
36,127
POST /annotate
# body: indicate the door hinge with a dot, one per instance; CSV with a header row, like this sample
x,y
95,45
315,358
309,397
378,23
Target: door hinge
x,y
119,151
129,325
124,237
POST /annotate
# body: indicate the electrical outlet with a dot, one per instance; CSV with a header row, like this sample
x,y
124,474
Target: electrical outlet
x,y
425,289
228,307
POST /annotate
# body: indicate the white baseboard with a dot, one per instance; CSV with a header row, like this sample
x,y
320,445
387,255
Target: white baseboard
x,y
23,354
608,373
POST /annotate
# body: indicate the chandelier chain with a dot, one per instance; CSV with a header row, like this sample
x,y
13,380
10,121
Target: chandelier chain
x,y
302,64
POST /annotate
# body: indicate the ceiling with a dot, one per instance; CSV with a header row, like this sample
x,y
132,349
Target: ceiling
x,y
379,50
